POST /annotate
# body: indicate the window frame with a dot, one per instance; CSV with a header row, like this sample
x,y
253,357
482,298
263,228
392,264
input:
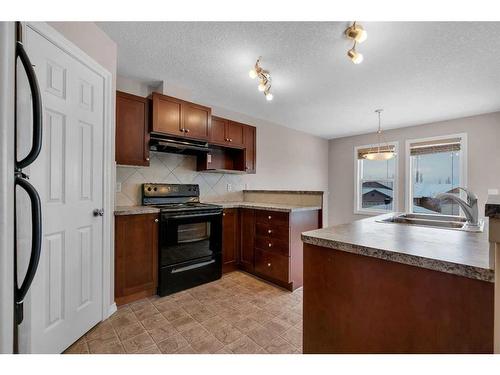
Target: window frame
x,y
358,209
409,165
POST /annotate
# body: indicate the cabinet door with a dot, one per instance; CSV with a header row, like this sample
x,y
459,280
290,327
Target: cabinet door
x,y
196,121
249,139
167,115
136,257
234,133
247,231
230,231
132,136
218,130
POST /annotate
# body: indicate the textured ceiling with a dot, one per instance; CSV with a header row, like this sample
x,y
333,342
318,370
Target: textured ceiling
x,y
418,72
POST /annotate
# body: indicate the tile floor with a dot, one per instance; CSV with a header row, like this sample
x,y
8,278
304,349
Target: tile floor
x,y
238,314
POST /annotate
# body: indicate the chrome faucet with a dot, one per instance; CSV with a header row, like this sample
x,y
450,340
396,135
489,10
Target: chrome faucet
x,y
470,207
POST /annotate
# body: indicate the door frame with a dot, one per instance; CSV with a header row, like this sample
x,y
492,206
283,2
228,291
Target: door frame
x,y
56,38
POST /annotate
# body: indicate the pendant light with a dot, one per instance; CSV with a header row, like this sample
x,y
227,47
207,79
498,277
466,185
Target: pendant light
x,y
264,77
382,151
357,34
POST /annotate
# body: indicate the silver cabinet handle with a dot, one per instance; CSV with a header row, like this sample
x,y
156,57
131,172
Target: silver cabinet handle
x,y
182,130
186,130
147,159
269,217
269,231
156,220
270,244
269,264
98,212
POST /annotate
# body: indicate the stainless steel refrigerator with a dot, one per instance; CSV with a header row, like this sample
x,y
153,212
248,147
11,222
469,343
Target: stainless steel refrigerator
x,y
19,147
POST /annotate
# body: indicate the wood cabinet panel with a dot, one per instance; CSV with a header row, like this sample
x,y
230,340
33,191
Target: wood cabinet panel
x,y
268,230
272,265
218,130
136,256
274,245
272,218
196,121
167,115
230,240
234,133
247,238
249,142
132,134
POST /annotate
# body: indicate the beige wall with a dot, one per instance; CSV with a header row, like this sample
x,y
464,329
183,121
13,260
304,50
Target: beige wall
x,y
483,160
286,159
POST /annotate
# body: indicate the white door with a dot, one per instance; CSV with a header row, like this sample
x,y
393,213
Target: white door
x,y
66,296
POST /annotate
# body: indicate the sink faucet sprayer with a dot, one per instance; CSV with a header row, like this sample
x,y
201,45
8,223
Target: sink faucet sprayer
x,y
470,207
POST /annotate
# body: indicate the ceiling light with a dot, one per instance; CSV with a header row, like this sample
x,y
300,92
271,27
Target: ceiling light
x,y
355,56
358,35
264,79
356,32
382,151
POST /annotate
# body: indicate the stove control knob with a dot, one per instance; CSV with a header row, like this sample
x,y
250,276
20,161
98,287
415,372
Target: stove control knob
x,y
149,188
155,189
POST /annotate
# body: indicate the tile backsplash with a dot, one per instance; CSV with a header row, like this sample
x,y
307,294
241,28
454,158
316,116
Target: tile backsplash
x,y
176,169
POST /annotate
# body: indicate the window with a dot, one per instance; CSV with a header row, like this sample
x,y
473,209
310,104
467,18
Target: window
x,y
376,182
435,165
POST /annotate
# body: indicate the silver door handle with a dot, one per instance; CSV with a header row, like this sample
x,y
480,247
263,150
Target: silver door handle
x,y
98,212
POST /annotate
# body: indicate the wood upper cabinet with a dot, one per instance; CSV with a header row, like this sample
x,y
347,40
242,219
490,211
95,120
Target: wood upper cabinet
x,y
230,240
196,121
249,142
136,257
247,238
226,132
180,118
132,135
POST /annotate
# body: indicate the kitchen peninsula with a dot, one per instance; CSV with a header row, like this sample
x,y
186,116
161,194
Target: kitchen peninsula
x,y
372,287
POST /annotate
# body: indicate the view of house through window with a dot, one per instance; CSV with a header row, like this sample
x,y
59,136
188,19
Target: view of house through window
x,y
435,167
376,183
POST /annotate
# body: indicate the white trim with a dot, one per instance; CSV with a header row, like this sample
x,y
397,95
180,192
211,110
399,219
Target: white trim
x,y
51,34
463,163
395,198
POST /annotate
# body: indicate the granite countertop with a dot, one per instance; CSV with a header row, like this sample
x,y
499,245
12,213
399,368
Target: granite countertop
x,y
492,208
304,192
456,252
135,210
266,206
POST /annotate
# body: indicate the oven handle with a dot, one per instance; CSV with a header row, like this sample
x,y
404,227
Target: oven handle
x,y
193,266
193,215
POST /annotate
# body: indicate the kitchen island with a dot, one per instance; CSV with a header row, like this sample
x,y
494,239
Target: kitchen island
x,y
372,287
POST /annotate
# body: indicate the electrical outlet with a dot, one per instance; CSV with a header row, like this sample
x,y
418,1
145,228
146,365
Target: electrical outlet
x,y
229,187
246,186
118,187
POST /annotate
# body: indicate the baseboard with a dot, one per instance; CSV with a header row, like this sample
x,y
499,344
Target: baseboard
x,y
111,310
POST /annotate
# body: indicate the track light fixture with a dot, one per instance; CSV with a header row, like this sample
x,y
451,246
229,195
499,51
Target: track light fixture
x,y
264,77
358,34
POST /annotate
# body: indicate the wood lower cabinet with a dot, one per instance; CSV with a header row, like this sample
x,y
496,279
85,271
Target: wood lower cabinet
x,y
179,118
132,134
230,240
269,243
247,238
136,257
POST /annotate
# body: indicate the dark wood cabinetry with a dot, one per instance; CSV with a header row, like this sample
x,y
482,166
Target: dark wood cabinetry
x,y
269,243
247,238
132,136
226,133
249,143
179,118
230,240
136,257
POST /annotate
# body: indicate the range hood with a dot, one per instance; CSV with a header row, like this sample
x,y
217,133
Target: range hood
x,y
178,146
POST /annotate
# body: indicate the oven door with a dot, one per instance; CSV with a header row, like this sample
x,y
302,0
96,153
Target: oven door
x,y
189,236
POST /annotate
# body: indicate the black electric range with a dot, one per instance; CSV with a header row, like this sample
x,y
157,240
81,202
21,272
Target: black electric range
x,y
190,236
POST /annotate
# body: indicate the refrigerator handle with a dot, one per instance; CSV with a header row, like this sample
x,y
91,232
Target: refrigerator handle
x,y
36,245
36,100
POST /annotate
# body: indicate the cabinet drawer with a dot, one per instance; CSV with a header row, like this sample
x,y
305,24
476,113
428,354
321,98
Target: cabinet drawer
x,y
272,265
280,232
273,245
271,217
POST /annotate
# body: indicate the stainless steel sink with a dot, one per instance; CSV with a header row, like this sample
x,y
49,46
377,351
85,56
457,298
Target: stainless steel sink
x,y
434,221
